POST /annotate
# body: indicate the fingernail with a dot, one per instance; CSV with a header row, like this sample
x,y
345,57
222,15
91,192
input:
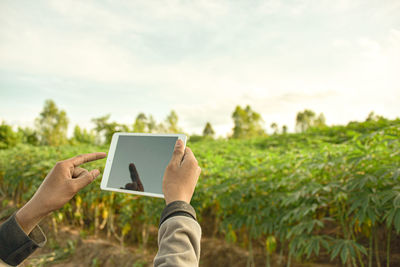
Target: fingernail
x,y
178,142
96,172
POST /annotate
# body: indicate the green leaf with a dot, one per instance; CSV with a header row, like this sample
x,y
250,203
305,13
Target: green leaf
x,y
336,249
344,254
396,201
397,220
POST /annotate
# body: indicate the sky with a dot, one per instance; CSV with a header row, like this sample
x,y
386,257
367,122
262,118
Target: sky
x,y
201,59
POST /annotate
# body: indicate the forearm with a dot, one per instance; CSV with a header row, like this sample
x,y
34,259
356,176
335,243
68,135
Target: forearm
x,y
179,237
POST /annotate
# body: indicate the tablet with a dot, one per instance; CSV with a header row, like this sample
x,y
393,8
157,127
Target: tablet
x,y
136,162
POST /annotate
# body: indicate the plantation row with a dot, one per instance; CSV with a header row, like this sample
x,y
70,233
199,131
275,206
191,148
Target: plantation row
x,y
333,192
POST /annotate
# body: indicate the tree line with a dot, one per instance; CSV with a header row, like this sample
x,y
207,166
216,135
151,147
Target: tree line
x,y
51,127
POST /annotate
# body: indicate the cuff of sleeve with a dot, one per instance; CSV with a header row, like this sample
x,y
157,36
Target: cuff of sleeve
x,y
177,208
15,245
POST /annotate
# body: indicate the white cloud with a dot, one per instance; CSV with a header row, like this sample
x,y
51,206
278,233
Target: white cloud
x,y
203,58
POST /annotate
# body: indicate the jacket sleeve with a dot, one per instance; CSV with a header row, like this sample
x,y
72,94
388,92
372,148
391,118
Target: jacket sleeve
x,y
15,245
178,237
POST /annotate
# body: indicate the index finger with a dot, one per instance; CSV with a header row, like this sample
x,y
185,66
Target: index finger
x,y
84,158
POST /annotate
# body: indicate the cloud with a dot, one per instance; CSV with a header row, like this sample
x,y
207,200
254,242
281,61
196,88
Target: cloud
x,y
203,58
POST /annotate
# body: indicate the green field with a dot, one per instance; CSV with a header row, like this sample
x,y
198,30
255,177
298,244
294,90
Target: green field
x,y
326,194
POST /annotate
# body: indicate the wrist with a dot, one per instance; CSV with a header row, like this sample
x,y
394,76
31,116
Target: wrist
x,y
177,208
170,200
29,216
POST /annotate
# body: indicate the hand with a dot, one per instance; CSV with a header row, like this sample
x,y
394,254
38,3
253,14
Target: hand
x,y
136,184
59,186
181,175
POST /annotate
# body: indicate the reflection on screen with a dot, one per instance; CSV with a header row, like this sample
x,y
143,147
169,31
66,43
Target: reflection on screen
x,y
140,161
136,184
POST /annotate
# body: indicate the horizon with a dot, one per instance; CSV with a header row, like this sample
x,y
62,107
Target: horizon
x,y
201,59
266,127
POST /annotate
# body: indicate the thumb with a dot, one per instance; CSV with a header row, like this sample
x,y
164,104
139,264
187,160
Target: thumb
x,y
87,178
179,151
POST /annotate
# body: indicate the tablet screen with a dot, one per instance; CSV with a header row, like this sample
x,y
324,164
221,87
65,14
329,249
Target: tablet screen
x,y
139,163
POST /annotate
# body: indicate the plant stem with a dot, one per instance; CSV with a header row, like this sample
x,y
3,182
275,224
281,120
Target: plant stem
x,y
289,258
370,249
96,220
268,263
378,262
357,251
388,247
281,253
353,260
250,259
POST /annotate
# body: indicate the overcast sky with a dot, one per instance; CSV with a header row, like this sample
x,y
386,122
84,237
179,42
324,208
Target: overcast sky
x,y
200,58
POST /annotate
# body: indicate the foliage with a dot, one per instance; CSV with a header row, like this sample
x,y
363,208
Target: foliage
x,y
208,130
195,138
331,191
274,127
307,118
140,124
52,125
284,129
374,117
145,124
172,123
107,129
8,138
28,136
83,136
247,123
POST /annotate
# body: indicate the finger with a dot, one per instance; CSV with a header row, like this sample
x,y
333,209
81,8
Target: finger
x,y
140,185
131,186
79,172
188,156
134,173
86,179
84,158
178,152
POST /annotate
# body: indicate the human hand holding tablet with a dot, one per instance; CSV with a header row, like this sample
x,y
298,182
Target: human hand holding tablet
x,y
136,162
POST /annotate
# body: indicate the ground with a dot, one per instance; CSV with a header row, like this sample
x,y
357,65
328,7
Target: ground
x,y
69,248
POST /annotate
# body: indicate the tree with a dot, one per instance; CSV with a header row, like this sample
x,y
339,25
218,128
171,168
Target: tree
x,y
373,117
274,127
320,121
307,119
247,123
140,124
8,138
83,136
284,129
172,123
161,128
28,136
52,125
107,129
151,124
208,130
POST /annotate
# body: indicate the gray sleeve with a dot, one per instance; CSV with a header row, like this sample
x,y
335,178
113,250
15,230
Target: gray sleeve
x,y
177,208
178,242
15,245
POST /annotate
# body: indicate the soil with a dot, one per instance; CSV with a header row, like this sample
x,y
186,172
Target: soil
x,y
98,251
70,247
